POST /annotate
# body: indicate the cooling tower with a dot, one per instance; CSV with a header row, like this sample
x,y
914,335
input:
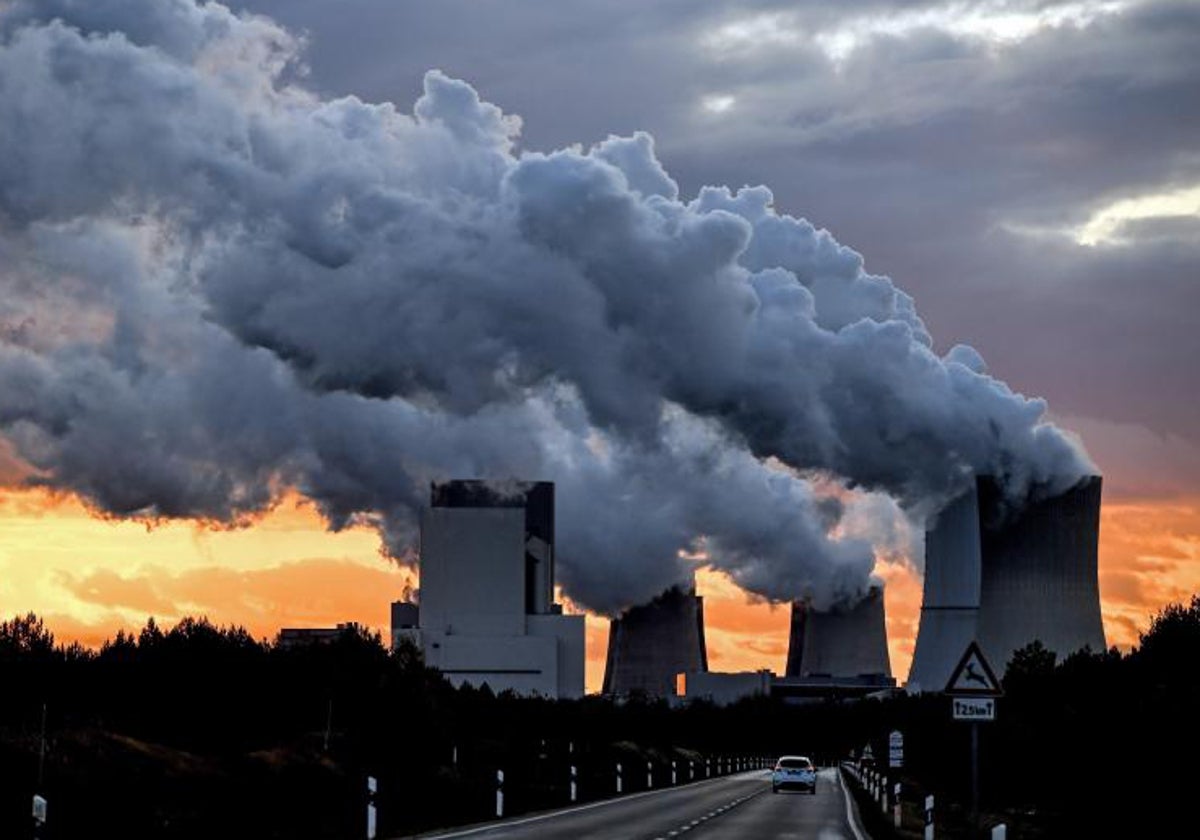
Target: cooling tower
x,y
845,641
795,656
1039,578
649,644
950,606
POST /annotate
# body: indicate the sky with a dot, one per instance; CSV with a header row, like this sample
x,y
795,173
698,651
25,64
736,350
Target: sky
x,y
1026,171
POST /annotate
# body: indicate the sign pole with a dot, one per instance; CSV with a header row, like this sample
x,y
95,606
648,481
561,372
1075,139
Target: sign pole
x,y
974,778
973,689
42,749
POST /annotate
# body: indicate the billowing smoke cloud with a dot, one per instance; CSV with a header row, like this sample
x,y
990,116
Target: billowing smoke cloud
x,y
218,286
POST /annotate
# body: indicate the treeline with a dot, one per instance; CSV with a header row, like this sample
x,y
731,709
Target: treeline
x,y
200,730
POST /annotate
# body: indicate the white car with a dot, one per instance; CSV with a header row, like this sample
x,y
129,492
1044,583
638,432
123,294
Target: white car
x,y
794,771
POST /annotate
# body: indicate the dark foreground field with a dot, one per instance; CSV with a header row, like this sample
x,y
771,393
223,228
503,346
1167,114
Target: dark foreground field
x,y
200,731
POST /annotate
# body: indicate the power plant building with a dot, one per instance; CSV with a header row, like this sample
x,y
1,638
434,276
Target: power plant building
x,y
651,644
1006,577
487,613
723,689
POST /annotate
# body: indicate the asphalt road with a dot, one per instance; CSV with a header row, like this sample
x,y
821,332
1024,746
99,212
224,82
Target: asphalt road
x,y
739,806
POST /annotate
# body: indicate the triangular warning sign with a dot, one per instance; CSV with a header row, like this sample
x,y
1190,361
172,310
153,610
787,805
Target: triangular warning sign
x,y
973,676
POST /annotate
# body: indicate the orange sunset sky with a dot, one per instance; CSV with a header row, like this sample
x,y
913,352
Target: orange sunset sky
x,y
89,576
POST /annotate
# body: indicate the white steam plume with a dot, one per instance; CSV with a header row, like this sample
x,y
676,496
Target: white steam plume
x,y
217,286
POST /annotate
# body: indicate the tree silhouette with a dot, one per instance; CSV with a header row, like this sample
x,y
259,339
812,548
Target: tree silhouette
x,y
1029,666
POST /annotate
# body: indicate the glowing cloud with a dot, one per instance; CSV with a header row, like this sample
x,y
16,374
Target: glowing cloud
x,y
1104,226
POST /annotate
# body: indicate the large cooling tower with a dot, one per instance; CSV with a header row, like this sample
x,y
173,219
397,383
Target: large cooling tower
x,y
845,641
950,607
1039,578
649,644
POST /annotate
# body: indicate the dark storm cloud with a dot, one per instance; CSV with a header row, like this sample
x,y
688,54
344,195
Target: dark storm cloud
x,y
269,288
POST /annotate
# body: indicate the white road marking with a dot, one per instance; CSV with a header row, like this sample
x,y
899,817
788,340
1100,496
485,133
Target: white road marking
x,y
512,823
853,823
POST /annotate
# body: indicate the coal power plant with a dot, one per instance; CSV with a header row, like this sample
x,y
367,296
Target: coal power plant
x,y
1009,576
649,645
847,640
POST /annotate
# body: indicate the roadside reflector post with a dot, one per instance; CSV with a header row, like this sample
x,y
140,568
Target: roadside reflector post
x,y
691,770
39,815
499,793
372,789
649,776
618,777
574,791
929,817
1000,832
672,773
896,805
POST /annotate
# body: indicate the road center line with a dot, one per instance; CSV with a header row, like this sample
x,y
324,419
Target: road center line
x,y
498,826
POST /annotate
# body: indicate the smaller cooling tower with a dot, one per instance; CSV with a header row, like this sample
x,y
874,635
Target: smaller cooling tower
x,y
1039,572
795,657
950,607
649,644
845,641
